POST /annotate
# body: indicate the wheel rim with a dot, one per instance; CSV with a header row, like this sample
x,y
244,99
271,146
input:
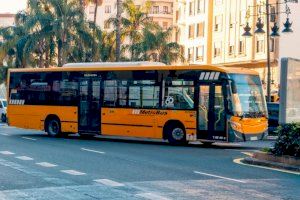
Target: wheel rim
x,y
53,127
178,134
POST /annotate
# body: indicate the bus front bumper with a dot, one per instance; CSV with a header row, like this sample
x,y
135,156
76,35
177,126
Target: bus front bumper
x,y
242,137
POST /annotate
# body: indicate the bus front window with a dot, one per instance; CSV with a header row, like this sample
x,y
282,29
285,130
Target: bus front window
x,y
248,101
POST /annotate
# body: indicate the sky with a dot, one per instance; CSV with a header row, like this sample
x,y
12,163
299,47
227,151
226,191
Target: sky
x,y
12,6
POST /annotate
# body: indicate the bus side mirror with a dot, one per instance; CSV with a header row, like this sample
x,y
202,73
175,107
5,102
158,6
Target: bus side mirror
x,y
233,87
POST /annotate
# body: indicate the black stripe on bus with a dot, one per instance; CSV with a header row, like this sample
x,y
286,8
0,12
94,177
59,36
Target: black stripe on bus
x,y
185,128
63,121
126,124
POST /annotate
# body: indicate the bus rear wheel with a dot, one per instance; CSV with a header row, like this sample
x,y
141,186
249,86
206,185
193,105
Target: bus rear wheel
x,y
176,135
3,118
53,127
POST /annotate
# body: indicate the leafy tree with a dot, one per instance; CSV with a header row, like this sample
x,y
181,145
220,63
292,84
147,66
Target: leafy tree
x,y
50,31
132,25
156,46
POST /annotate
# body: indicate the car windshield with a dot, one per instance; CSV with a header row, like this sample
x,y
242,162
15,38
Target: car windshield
x,y
249,101
4,103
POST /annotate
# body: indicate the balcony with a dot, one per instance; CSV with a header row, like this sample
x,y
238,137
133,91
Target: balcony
x,y
161,14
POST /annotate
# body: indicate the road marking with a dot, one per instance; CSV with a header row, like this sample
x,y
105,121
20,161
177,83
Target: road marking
x,y
221,177
109,182
28,138
238,161
247,153
46,164
91,150
4,134
7,153
73,172
24,158
151,196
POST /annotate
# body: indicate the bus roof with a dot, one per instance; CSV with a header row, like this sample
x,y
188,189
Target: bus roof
x,y
134,66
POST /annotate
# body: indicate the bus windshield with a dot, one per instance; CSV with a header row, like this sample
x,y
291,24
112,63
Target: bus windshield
x,y
249,100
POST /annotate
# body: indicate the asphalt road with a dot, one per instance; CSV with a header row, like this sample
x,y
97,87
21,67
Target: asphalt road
x,y
34,166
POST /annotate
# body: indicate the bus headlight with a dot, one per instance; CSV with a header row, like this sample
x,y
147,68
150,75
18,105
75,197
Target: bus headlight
x,y
236,126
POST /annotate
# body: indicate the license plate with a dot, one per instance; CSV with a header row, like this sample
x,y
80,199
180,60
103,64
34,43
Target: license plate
x,y
253,138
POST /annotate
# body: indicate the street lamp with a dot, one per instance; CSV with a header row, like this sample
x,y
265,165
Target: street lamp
x,y
275,28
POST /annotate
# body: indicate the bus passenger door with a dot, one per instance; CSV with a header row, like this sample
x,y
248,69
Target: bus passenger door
x,y
211,112
89,105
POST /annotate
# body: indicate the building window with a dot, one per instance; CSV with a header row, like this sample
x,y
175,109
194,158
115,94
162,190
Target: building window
x,y
200,29
166,9
231,50
218,22
190,54
91,10
107,9
165,25
155,10
106,25
241,47
272,45
273,14
191,31
201,6
199,53
191,8
260,46
217,49
177,15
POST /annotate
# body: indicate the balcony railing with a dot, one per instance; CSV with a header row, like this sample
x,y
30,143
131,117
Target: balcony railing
x,y
160,13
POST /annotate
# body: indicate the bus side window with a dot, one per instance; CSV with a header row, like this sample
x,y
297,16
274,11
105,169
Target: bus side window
x,y
178,97
110,93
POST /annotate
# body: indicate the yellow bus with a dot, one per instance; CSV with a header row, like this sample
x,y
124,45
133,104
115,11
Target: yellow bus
x,y
146,100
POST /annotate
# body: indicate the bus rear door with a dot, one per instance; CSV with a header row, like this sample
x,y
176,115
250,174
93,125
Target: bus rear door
x,y
89,105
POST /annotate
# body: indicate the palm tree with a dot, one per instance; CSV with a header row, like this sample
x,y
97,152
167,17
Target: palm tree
x,y
136,18
156,46
49,31
68,27
118,31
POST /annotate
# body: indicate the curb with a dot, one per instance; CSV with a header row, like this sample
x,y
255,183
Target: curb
x,y
253,161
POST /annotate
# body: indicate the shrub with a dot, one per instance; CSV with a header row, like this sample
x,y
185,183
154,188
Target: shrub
x,y
288,142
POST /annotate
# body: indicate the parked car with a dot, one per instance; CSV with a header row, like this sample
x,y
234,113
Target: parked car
x,y
3,106
273,111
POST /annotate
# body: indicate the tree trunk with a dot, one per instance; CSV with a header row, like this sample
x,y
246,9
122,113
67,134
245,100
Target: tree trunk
x,y
82,7
118,31
59,53
95,12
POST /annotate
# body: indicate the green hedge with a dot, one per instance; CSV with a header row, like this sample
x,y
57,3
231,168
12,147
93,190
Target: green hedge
x,y
288,142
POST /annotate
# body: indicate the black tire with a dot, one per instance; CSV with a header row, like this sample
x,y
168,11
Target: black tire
x,y
53,127
3,118
86,136
176,134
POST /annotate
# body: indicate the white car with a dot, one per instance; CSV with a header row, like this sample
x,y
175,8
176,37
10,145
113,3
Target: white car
x,y
3,106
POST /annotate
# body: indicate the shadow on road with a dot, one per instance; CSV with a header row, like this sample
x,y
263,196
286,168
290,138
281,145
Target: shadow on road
x,y
237,146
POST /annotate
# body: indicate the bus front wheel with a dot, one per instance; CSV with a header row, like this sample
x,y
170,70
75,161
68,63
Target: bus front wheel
x,y
176,135
53,127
